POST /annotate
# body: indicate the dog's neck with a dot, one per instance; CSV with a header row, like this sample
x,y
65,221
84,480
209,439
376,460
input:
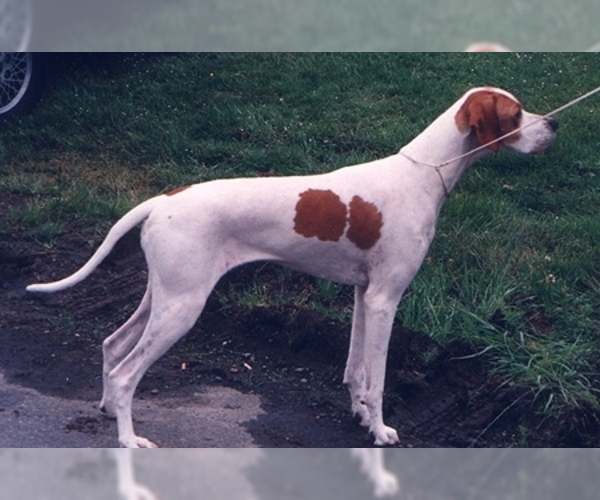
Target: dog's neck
x,y
439,142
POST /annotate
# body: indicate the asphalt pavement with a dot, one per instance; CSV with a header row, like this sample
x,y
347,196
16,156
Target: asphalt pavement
x,y
214,417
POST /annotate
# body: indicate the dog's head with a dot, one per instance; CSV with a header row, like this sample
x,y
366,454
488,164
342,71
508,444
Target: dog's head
x,y
491,113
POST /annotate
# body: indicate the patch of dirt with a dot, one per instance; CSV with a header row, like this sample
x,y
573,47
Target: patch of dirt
x,y
437,396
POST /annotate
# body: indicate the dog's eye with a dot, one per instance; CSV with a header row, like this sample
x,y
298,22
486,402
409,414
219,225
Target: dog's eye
x,y
518,115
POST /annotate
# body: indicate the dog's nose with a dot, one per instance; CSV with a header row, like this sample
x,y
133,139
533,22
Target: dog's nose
x,y
552,123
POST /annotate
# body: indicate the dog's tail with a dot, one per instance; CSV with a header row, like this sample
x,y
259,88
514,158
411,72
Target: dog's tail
x,y
122,226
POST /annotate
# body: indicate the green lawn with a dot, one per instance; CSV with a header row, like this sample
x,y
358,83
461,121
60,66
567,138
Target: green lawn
x,y
515,266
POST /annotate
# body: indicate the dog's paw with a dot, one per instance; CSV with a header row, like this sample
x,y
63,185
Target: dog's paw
x,y
386,485
385,436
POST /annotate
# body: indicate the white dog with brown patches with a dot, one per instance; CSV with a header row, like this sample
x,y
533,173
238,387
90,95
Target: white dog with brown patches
x,y
367,225
371,463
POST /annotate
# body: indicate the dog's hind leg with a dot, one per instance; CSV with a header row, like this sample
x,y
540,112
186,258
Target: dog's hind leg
x,y
120,343
172,316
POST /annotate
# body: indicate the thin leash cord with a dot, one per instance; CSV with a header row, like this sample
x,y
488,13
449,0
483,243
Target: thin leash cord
x,y
438,166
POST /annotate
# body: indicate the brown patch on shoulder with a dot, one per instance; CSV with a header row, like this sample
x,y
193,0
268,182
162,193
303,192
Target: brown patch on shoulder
x,y
320,213
177,190
365,223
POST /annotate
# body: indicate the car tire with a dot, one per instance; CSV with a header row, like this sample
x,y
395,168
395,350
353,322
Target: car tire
x,y
21,74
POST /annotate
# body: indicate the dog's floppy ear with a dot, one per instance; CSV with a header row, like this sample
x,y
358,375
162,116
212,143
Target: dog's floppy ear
x,y
479,113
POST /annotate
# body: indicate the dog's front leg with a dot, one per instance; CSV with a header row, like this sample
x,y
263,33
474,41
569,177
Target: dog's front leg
x,y
354,375
129,489
380,310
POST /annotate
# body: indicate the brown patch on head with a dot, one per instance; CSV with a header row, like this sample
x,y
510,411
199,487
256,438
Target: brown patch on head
x,y
177,190
365,223
320,213
491,115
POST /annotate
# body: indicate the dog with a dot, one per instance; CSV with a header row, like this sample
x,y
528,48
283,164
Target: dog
x,y
368,225
371,461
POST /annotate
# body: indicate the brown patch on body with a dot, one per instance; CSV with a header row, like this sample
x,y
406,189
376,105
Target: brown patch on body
x,y
365,223
491,115
322,214
177,190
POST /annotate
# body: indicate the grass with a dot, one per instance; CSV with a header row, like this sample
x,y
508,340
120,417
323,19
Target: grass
x,y
287,25
514,268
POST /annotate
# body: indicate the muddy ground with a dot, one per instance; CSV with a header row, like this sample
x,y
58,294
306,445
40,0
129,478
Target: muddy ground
x,y
436,396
